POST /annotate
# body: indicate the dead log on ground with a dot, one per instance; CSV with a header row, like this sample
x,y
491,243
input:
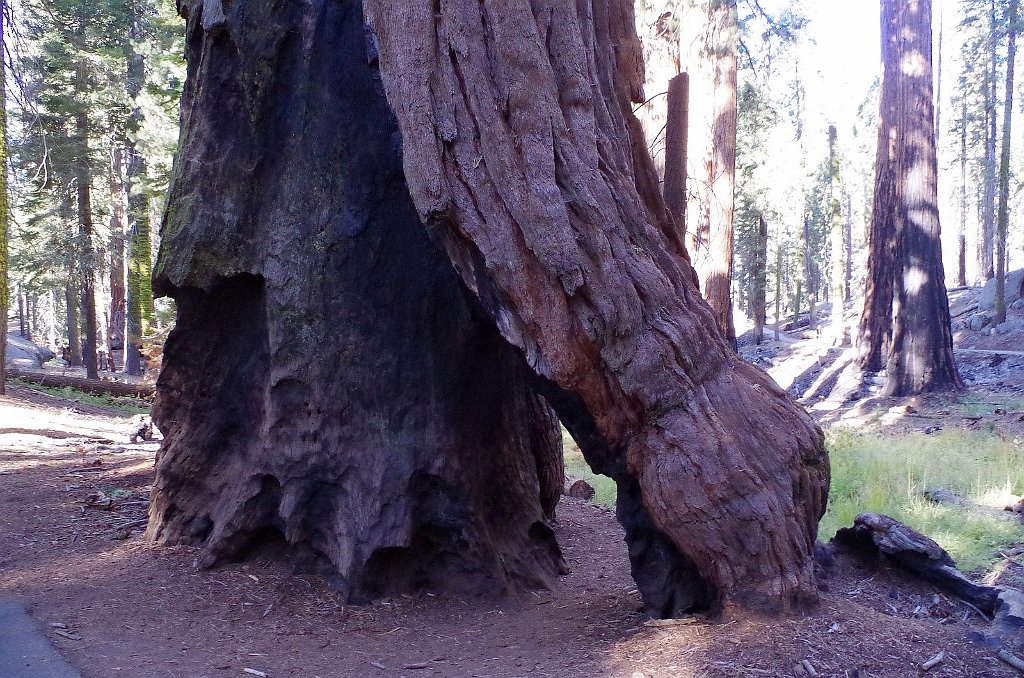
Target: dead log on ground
x,y
880,536
93,386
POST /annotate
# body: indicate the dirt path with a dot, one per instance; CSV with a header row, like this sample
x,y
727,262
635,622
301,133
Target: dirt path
x,y
140,611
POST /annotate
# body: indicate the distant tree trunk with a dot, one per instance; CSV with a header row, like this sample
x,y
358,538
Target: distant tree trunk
x,y
83,180
72,311
5,208
921,353
988,208
139,274
778,287
138,252
797,303
712,56
961,269
118,250
810,276
21,311
718,281
875,332
999,312
759,276
848,249
676,130
836,232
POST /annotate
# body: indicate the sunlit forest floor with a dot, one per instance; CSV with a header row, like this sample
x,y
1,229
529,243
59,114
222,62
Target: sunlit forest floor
x,y
74,496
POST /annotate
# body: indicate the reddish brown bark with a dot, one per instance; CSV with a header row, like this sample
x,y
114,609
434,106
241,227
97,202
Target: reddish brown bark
x,y
713,148
717,282
906,288
676,129
524,159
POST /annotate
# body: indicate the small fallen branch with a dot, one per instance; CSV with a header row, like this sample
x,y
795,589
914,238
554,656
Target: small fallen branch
x,y
1012,659
934,661
668,623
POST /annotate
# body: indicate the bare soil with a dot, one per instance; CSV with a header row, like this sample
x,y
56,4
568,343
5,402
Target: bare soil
x,y
73,502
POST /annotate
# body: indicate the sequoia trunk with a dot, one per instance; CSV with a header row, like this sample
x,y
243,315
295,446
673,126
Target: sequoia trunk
x,y
524,159
905,263
330,385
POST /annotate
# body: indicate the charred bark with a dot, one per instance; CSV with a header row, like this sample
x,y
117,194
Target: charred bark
x,y
524,159
330,385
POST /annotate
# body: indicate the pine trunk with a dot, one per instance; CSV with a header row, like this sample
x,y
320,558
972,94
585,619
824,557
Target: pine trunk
x,y
837,241
5,211
778,287
118,253
331,386
810,275
83,186
848,250
524,159
961,259
73,319
988,216
999,312
921,355
139,287
759,276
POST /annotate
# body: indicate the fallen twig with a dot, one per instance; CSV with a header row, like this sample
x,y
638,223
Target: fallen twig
x,y
1012,659
662,623
934,661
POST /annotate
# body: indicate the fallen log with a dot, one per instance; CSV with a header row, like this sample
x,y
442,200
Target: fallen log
x,y
874,534
94,386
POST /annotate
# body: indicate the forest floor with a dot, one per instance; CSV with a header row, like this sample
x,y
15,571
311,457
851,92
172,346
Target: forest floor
x,y
73,500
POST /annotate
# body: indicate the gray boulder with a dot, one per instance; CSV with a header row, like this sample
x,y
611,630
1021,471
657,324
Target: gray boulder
x,y
1014,290
1017,305
978,321
23,353
1010,327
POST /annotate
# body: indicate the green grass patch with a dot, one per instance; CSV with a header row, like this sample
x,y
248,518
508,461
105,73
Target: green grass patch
x,y
974,405
889,474
576,466
127,405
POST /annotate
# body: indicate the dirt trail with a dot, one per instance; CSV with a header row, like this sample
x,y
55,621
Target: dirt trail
x,y
141,611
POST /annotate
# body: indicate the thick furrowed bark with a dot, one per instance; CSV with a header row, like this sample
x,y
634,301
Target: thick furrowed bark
x,y
330,386
522,155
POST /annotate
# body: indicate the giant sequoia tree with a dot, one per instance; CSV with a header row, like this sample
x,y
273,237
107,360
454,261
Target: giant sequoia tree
x,y
905,324
375,400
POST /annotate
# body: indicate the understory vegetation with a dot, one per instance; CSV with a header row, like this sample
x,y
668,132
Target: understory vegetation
x,y
891,474
123,404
